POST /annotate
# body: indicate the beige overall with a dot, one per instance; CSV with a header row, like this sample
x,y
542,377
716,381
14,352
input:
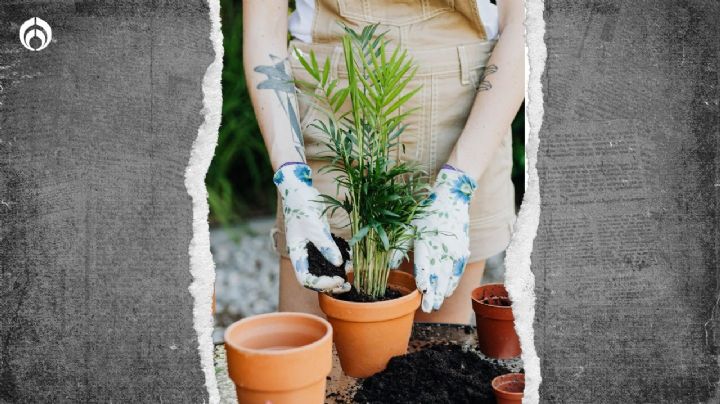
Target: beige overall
x,y
447,40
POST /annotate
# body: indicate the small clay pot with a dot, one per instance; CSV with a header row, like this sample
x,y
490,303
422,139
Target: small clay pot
x,y
495,323
367,335
279,358
509,388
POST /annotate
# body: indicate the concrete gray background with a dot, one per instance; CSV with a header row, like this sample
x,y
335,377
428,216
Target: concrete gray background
x,y
626,255
95,220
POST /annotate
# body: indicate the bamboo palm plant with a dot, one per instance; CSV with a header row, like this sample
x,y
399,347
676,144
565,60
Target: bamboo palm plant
x,y
382,194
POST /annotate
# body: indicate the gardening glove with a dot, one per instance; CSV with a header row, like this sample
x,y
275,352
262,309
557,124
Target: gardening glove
x,y
441,240
305,222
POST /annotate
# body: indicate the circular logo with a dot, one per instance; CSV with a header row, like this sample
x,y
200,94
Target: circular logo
x,y
35,34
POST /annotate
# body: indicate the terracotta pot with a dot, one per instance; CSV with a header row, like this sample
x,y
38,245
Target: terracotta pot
x,y
279,358
367,335
509,388
495,324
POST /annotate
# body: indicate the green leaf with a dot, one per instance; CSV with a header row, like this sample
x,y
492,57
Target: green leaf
x,y
304,63
331,87
314,62
389,213
326,72
402,100
397,89
339,99
359,235
383,237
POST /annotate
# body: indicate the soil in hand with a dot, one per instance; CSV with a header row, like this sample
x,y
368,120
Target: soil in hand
x,y
439,374
356,296
319,266
497,301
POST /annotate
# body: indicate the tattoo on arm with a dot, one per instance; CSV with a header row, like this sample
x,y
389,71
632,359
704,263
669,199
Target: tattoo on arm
x,y
485,84
279,81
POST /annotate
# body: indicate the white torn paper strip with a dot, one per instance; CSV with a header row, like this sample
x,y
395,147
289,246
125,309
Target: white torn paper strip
x,y
202,267
519,279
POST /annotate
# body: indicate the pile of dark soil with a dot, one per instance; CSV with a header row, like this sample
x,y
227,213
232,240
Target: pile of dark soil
x,y
318,265
355,296
438,374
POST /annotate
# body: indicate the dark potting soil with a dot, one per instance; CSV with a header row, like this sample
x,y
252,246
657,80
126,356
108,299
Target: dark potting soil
x,y
513,387
318,265
497,301
438,374
355,296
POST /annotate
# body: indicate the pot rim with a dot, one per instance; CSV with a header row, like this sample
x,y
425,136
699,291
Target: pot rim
x,y
385,310
476,292
374,305
393,273
327,335
379,303
506,378
489,310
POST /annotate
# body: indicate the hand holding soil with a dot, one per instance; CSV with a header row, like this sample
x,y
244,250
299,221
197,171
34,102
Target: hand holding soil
x,y
305,223
320,266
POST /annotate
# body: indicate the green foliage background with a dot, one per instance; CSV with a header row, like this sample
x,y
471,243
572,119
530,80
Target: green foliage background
x,y
239,180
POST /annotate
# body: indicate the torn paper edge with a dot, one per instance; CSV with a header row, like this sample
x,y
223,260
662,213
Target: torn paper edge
x,y
519,279
202,267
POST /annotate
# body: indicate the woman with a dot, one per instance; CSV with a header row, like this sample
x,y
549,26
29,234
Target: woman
x,y
470,58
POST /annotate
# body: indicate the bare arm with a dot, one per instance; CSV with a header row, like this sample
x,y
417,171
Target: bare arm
x,y
274,99
500,94
269,79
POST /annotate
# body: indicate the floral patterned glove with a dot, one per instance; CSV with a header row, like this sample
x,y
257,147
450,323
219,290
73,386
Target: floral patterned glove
x,y
305,222
442,243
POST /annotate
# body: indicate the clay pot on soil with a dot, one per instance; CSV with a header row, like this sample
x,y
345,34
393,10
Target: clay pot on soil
x,y
495,322
279,358
367,335
509,388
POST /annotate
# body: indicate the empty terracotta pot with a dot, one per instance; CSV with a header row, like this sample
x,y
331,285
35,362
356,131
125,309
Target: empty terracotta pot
x,y
509,388
279,358
495,322
367,335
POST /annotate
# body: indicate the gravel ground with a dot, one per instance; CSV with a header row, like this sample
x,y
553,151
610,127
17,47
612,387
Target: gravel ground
x,y
246,270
